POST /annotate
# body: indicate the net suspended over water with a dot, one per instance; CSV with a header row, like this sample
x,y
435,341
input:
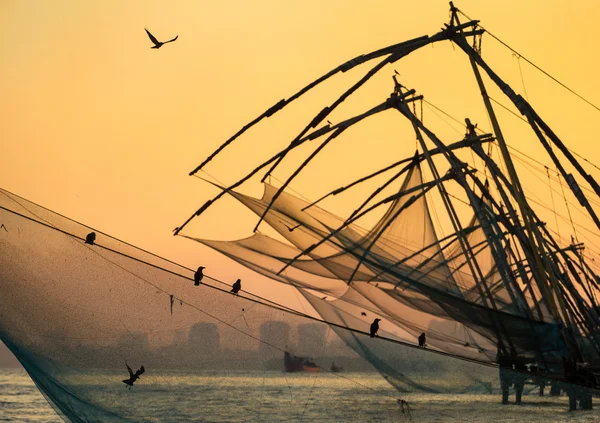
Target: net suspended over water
x,y
495,304
76,314
500,288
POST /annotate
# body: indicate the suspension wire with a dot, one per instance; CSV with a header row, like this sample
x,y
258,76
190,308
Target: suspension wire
x,y
534,65
553,178
525,120
568,209
583,187
547,207
553,205
522,79
316,375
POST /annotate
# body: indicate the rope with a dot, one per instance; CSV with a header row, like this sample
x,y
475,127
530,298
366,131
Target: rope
x,y
568,208
316,375
536,66
553,205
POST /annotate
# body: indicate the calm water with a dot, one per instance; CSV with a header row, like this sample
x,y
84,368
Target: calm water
x,y
284,397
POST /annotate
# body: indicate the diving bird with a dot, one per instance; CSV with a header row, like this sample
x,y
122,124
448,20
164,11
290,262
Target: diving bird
x,y
422,340
235,288
374,327
158,44
198,276
133,376
90,238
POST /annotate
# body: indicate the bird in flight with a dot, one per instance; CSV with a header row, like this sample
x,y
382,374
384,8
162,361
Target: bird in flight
x,y
133,376
158,44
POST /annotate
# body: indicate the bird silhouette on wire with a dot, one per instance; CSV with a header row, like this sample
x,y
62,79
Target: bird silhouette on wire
x,y
237,285
158,44
90,238
374,327
133,376
198,276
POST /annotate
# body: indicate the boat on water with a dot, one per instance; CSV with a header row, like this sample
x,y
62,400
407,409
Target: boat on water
x,y
336,369
503,298
293,363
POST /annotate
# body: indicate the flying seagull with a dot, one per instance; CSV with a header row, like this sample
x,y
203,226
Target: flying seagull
x,y
198,276
133,376
2,226
235,288
374,327
158,44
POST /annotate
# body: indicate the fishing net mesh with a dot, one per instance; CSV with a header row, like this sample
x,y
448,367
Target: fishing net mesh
x,y
75,314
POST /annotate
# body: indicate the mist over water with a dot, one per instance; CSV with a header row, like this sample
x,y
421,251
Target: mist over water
x,y
284,397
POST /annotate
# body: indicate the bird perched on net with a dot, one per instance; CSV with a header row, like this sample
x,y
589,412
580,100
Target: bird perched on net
x,y
90,238
374,327
422,340
158,44
237,285
198,276
133,376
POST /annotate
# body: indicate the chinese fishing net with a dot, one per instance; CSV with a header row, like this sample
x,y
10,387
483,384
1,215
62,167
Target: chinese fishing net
x,y
467,321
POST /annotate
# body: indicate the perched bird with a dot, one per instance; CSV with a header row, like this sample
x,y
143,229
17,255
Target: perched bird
x,y
422,340
90,238
133,376
198,276
158,44
237,285
374,327
363,313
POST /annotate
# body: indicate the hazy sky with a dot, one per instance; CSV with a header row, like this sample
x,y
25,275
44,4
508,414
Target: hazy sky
x,y
101,128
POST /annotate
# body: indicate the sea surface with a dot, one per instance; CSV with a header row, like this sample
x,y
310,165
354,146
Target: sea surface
x,y
352,397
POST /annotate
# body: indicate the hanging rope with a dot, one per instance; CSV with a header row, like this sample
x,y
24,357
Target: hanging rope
x,y
553,205
568,208
521,73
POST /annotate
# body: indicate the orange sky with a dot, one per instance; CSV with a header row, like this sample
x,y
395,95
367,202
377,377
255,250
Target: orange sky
x,y
101,128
